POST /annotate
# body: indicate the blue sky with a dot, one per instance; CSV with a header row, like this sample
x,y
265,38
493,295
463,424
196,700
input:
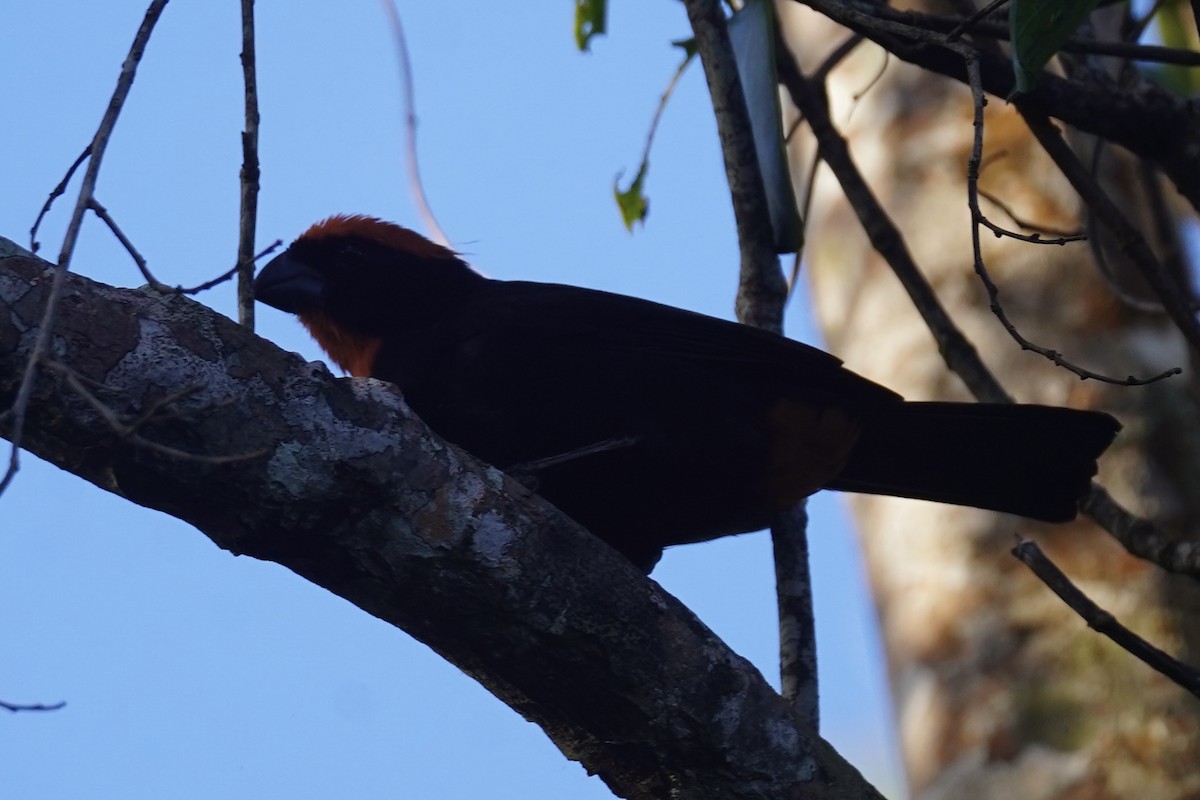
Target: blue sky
x,y
191,673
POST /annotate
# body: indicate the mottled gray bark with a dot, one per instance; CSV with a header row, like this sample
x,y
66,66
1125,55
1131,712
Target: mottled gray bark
x,y
344,486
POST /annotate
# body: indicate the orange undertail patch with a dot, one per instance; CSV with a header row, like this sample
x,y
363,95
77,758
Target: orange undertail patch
x,y
809,447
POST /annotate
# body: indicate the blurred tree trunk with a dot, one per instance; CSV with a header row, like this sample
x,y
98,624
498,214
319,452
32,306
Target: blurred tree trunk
x,y
1000,690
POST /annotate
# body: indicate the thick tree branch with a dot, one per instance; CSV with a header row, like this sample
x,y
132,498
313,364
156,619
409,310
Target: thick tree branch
x,y
357,495
762,289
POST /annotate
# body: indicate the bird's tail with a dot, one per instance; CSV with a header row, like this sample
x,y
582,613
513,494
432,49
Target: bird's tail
x,y
1035,461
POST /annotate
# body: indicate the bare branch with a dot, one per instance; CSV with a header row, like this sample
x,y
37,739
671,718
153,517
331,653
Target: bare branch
x,y
1000,31
1140,536
99,143
960,355
107,219
971,23
55,193
837,56
204,287
644,165
1040,232
974,160
1102,621
16,707
249,175
410,127
1128,239
762,296
1145,119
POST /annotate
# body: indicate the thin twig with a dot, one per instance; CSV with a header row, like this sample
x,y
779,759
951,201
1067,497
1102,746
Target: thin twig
x,y
228,274
1144,119
86,191
149,276
605,446
156,409
762,295
821,76
410,127
249,174
15,707
951,26
55,193
129,431
663,99
1127,238
960,355
810,187
662,106
234,270
102,212
1166,229
856,97
1100,252
1039,229
837,56
1037,237
1102,621
1139,536
970,22
993,291
1108,273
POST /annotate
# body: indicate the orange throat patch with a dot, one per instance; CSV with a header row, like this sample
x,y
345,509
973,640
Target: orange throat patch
x,y
353,352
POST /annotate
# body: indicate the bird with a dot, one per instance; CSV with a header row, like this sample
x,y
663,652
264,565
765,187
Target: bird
x,y
651,425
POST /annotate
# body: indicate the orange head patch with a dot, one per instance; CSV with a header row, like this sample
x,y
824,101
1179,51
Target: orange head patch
x,y
377,230
353,352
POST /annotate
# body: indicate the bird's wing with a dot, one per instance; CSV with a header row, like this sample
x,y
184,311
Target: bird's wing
x,y
621,328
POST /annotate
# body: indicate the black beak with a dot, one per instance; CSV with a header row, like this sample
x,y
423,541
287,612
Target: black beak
x,y
289,285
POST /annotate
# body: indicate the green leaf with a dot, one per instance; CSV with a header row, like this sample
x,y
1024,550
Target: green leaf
x,y
591,17
633,204
688,46
1039,28
1177,29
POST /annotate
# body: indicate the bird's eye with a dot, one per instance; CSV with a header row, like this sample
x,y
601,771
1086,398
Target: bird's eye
x,y
350,254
